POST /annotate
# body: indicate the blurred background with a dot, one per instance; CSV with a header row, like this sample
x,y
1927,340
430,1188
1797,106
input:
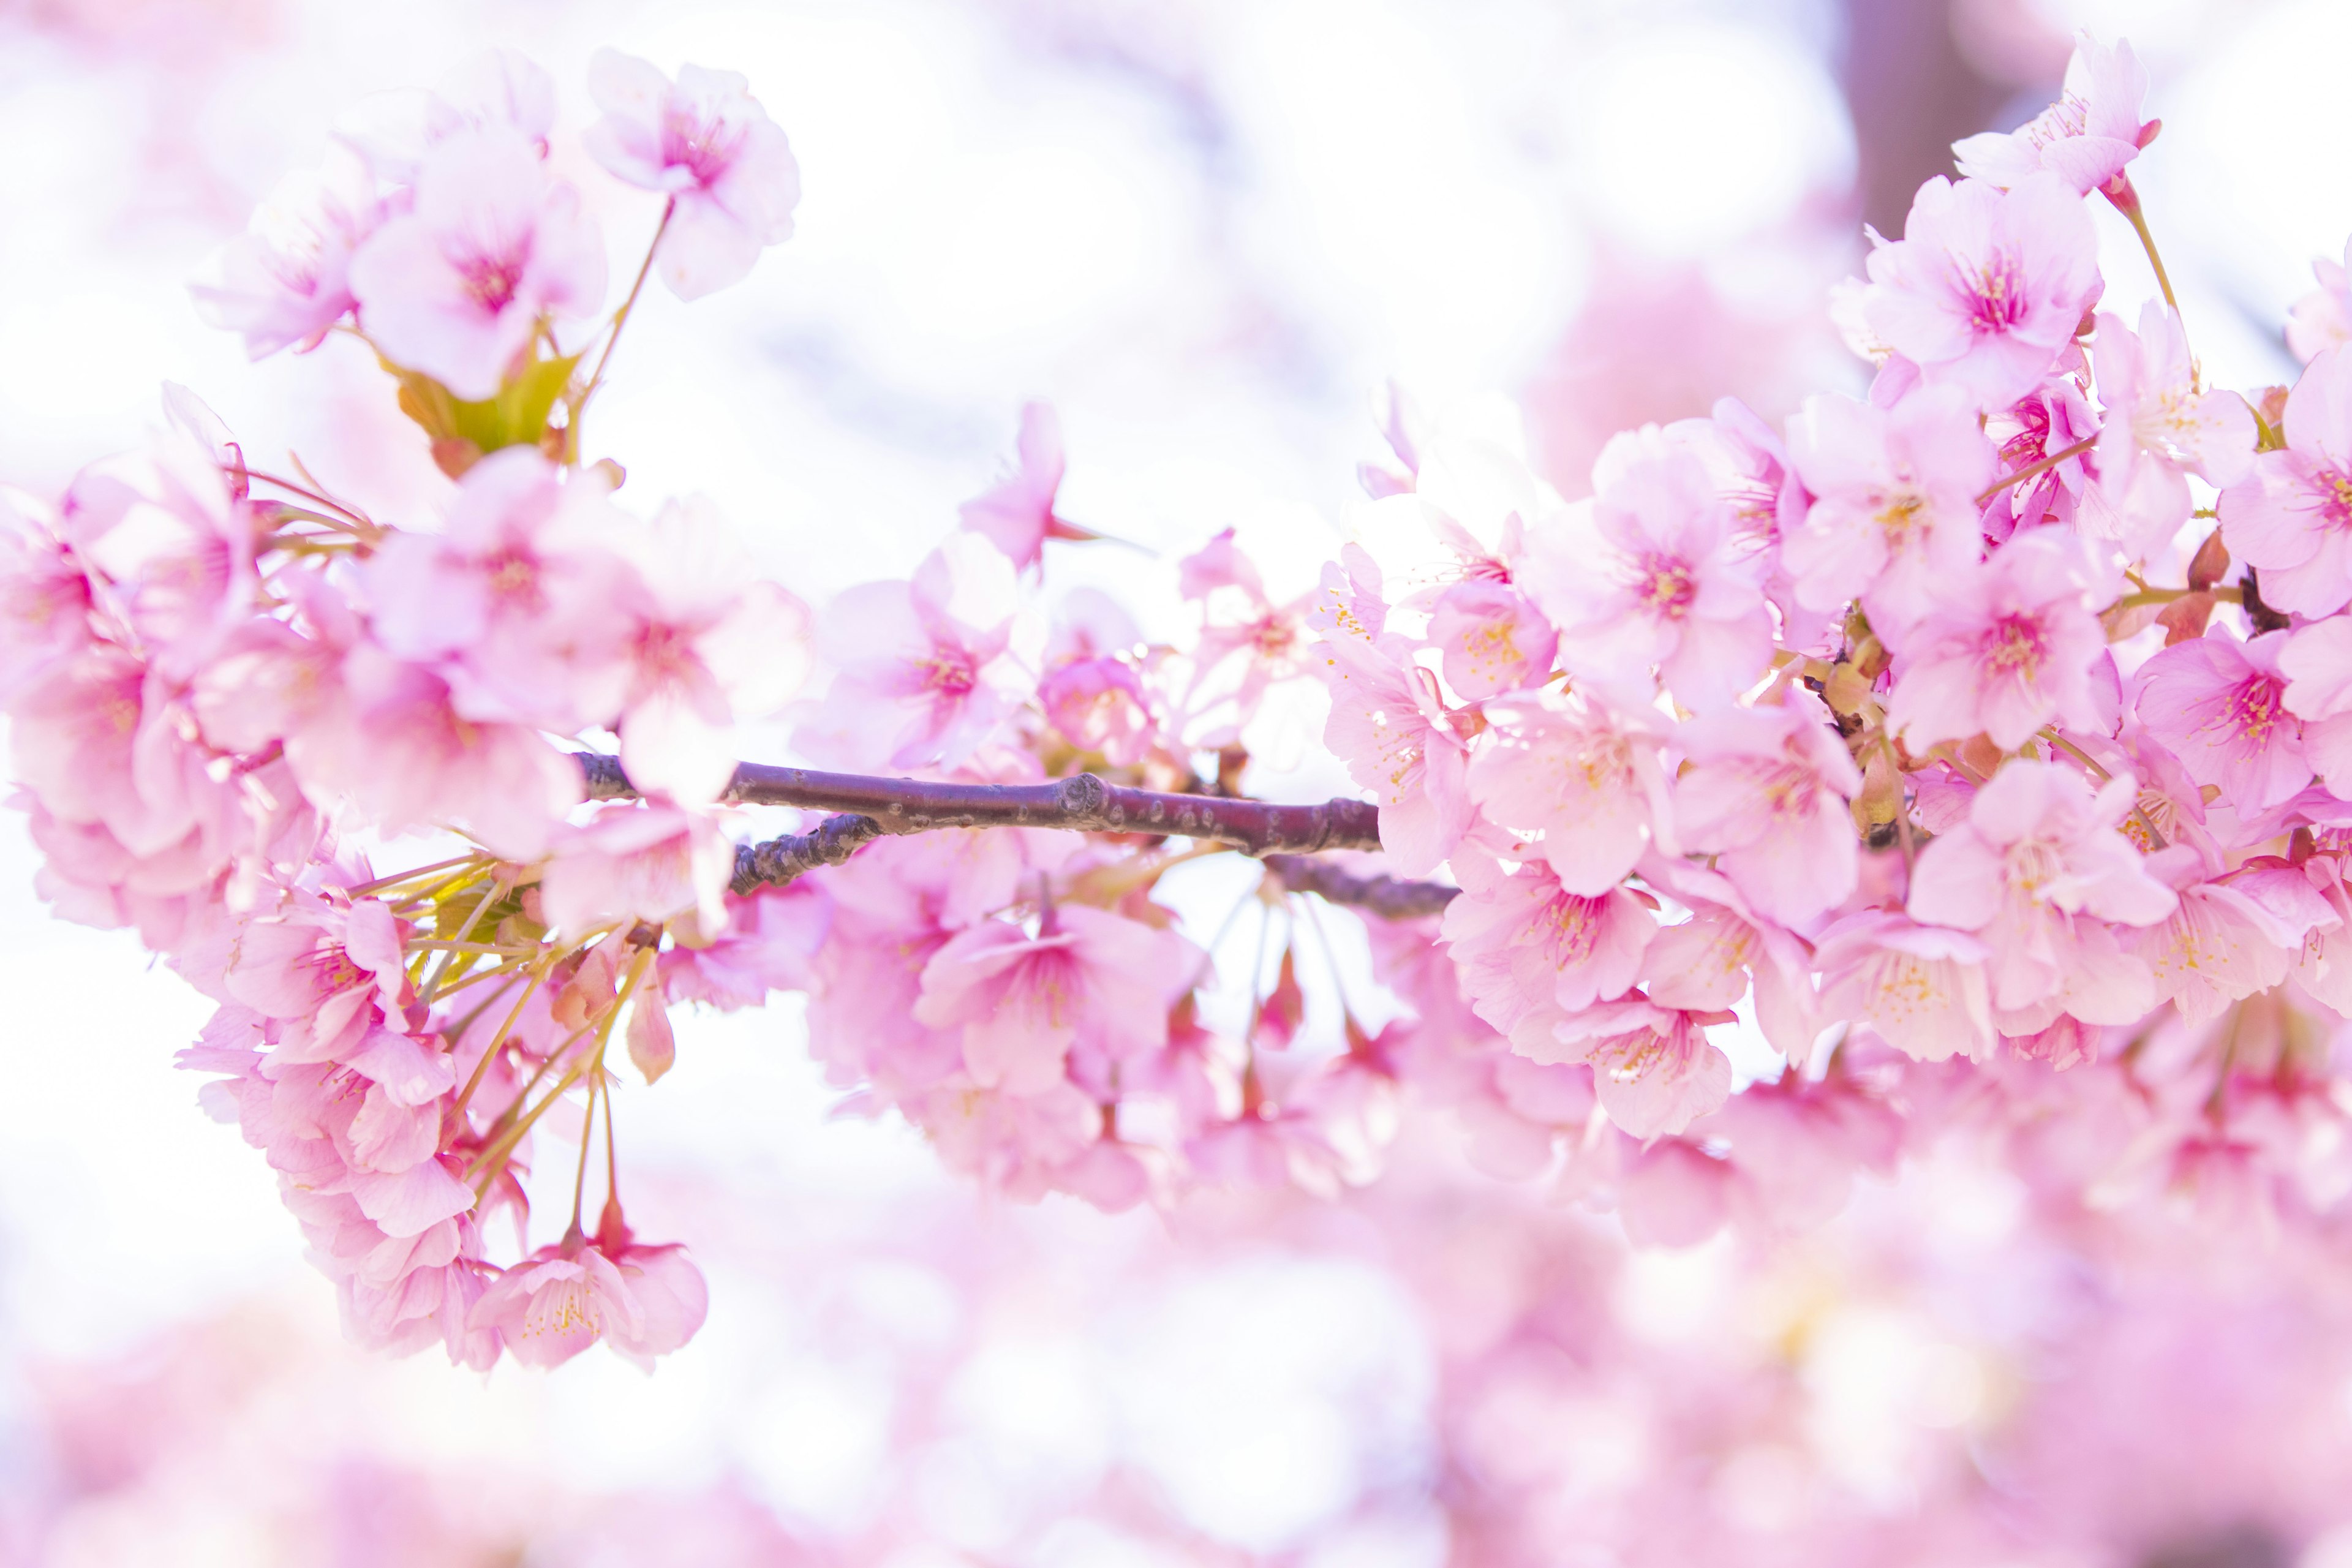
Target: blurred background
x,y
1208,230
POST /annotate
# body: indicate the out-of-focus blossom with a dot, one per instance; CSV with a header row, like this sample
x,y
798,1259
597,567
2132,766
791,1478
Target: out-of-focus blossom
x,y
285,281
646,862
706,143
1023,1001
2322,319
927,669
1016,512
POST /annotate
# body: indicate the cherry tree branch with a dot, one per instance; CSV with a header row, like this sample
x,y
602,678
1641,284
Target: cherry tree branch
x,y
1083,804
1391,898
868,808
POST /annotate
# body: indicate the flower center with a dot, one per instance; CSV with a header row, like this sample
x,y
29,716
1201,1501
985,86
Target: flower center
x,y
2255,707
2015,647
1666,586
1996,295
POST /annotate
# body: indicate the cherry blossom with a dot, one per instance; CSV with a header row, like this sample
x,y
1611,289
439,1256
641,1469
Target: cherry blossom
x,y
1985,286
2034,871
1585,776
1654,1070
1391,725
2322,320
1921,989
2291,516
2086,137
494,246
286,281
705,142
1016,513
1021,1001
1530,952
1895,514
929,667
1658,578
2220,705
1766,794
2008,648
2160,426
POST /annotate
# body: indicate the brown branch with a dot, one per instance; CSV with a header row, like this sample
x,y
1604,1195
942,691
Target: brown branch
x,y
780,861
1387,897
1082,803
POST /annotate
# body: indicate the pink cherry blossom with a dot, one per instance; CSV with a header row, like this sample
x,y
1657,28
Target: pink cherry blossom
x,y
1654,1069
2160,426
706,143
2317,664
2230,937
1985,286
2086,137
1766,793
494,247
388,734
1249,644
1391,725
1529,952
331,970
2220,706
497,90
565,1297
2034,872
703,642
2292,517
929,669
1585,776
45,594
771,942
651,861
1023,1001
1016,513
513,597
1660,576
2041,426
99,741
1919,988
286,280
1101,705
170,545
2008,648
1493,640
1709,962
2322,320
1895,513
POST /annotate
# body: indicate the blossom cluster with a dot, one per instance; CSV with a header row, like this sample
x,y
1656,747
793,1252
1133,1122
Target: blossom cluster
x,y
223,686
1925,742
1886,734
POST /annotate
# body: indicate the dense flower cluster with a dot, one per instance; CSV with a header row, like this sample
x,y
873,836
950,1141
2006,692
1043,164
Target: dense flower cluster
x,y
1925,742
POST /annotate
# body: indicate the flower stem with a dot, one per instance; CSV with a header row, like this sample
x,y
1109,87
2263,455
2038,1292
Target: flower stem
x,y
2045,466
620,319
